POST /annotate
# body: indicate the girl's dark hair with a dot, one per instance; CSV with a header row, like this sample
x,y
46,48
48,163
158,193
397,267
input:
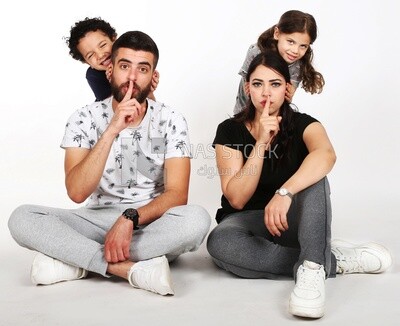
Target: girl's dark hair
x,y
81,28
274,61
295,21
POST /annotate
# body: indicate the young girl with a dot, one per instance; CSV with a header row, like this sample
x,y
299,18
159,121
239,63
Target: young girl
x,y
275,218
291,38
90,42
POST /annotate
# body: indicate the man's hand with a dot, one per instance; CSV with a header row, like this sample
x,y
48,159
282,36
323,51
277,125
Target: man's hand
x,y
118,241
126,112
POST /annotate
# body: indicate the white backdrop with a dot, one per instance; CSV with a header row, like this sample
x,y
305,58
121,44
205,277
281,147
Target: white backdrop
x,y
202,46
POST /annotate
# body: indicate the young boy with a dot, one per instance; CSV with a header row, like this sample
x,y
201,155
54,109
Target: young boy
x,y
90,42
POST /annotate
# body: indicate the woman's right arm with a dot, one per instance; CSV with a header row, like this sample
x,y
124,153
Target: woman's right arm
x,y
239,180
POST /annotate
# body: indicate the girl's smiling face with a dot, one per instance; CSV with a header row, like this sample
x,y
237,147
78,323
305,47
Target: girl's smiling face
x,y
292,47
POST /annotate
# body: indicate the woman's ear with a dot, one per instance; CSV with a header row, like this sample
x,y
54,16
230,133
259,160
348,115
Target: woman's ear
x,y
276,33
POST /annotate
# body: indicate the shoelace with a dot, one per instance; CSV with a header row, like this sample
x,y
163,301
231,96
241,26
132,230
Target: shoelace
x,y
349,264
308,278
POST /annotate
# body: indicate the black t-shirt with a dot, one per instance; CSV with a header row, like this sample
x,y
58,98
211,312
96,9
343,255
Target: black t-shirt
x,y
274,174
99,83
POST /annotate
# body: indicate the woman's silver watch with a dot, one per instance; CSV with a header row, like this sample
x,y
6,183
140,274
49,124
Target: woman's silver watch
x,y
284,192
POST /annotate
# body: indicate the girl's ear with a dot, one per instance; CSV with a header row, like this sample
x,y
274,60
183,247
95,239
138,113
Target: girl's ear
x,y
276,33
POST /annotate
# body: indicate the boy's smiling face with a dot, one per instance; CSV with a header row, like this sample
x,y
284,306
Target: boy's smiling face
x,y
95,48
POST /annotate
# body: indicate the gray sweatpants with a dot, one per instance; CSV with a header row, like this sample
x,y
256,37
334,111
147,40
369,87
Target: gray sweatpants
x,y
76,236
242,245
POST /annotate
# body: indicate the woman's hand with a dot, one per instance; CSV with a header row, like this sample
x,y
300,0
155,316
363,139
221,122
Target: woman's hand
x,y
275,218
269,125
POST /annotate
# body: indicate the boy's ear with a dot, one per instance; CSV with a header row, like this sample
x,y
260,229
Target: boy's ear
x,y
276,32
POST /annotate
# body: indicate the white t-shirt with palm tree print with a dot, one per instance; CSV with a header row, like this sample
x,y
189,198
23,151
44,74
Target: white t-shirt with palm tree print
x,y
134,169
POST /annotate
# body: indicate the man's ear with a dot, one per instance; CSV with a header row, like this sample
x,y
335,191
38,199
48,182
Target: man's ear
x,y
276,32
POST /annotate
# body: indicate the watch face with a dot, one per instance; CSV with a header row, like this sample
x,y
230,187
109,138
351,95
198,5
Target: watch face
x,y
130,212
283,191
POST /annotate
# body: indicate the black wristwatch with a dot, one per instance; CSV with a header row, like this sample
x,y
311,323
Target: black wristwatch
x,y
133,215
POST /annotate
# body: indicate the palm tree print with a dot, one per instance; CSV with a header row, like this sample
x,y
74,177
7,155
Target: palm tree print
x,y
181,145
118,159
104,115
136,136
131,183
78,138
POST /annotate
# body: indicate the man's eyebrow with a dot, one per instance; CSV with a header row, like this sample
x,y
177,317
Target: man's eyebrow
x,y
146,63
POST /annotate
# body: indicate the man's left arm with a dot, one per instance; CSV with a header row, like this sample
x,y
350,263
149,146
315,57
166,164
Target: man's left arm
x,y
176,188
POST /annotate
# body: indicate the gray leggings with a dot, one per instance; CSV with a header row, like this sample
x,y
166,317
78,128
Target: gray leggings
x,y
242,245
76,236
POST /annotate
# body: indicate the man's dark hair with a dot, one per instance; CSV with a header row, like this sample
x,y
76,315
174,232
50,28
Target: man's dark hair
x,y
137,41
81,28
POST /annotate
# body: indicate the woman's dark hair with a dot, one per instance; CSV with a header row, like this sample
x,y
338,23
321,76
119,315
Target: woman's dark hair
x,y
274,61
295,21
81,28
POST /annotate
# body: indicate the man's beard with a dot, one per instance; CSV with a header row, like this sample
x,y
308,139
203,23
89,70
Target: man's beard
x,y
140,96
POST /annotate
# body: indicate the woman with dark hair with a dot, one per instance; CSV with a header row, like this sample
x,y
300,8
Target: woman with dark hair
x,y
291,38
275,218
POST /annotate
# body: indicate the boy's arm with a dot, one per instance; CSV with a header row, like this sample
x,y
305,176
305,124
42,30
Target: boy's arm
x,y
98,83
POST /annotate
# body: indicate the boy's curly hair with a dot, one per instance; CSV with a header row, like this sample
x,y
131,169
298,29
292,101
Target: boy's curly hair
x,y
81,28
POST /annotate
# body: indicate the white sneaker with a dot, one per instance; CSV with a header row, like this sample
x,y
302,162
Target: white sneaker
x,y
366,258
152,275
46,270
308,296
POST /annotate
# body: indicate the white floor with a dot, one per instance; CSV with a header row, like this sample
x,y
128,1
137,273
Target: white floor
x,y
204,295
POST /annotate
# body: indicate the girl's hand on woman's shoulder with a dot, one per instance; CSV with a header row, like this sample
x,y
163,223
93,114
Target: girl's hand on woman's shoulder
x,y
290,90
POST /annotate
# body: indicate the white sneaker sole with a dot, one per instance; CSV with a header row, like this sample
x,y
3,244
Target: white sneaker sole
x,y
308,312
